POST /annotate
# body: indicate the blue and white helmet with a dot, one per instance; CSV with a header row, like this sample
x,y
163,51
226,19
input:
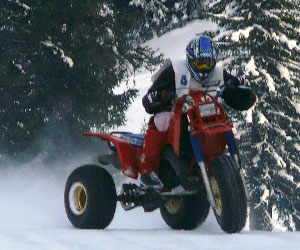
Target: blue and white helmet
x,y
201,57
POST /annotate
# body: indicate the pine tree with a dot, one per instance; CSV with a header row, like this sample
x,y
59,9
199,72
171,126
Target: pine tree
x,y
163,16
60,62
261,39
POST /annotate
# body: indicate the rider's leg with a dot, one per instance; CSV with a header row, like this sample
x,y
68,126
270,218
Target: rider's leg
x,y
153,145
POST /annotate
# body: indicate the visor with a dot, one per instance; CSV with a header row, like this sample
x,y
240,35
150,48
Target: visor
x,y
203,65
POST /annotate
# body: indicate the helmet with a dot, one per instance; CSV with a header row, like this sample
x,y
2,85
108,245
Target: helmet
x,y
201,56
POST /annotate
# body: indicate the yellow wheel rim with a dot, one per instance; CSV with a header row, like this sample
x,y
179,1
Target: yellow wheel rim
x,y
78,198
81,198
217,195
174,205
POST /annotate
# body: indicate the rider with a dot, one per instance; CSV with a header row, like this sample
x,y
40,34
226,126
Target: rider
x,y
175,78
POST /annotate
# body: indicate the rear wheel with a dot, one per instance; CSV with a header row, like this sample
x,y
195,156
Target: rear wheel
x,y
229,194
90,197
187,212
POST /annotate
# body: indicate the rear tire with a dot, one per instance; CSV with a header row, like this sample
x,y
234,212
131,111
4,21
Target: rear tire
x,y
229,194
186,212
90,197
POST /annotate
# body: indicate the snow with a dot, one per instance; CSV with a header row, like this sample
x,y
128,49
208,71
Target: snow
x,y
248,116
105,11
265,195
177,6
25,6
109,32
32,207
297,106
173,44
66,59
280,160
297,146
251,67
245,32
284,73
286,176
20,68
262,118
283,39
270,81
33,218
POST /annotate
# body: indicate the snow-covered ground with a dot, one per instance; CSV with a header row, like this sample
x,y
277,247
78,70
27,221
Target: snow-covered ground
x,y
33,218
32,215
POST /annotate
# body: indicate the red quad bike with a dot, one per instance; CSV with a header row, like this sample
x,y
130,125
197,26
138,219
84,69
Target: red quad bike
x,y
199,168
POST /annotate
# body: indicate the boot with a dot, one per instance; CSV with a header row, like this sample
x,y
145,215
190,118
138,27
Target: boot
x,y
152,180
154,142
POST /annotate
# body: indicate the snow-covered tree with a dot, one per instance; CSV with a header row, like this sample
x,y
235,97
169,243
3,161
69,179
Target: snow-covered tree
x,y
162,16
60,61
261,39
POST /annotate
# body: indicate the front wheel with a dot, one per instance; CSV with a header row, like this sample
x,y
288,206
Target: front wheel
x,y
229,194
90,197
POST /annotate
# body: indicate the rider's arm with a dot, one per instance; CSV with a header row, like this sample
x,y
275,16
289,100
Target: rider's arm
x,y
163,83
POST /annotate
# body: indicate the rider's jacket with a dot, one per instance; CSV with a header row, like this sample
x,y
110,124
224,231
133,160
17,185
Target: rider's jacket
x,y
174,77
184,80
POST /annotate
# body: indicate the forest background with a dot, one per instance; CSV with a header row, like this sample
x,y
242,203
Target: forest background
x,y
61,60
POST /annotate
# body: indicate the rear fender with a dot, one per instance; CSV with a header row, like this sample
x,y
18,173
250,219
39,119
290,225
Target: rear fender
x,y
126,153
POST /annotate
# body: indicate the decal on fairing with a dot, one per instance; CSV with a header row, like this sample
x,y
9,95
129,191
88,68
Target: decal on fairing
x,y
135,140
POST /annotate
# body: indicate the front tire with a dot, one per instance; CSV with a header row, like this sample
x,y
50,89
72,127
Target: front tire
x,y
229,194
90,197
186,212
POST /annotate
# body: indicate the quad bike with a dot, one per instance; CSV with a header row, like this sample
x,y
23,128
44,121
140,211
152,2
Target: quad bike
x,y
199,168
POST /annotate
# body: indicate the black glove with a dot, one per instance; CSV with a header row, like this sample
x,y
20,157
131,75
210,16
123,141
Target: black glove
x,y
238,95
243,82
153,97
236,82
151,101
157,101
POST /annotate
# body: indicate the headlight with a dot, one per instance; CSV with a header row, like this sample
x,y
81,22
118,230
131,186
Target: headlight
x,y
207,109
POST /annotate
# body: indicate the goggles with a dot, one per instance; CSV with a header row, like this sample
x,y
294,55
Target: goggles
x,y
203,65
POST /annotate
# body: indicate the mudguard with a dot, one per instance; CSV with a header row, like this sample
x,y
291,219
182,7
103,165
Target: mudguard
x,y
128,147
